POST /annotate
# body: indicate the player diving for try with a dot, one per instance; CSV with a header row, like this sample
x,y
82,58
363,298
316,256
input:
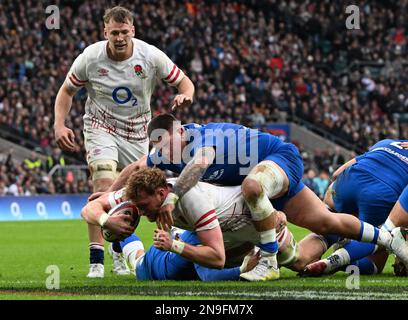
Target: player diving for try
x,y
119,75
218,216
275,171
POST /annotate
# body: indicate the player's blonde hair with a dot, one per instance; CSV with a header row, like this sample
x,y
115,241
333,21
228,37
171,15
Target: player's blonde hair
x,y
146,180
118,14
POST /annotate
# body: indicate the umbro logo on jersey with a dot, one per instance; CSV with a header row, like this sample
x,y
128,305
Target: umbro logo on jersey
x,y
103,72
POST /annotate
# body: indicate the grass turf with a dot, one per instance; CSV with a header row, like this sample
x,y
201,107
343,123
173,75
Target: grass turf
x,y
28,248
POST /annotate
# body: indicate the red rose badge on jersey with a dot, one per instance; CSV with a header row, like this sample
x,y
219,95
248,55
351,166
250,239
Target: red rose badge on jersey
x,y
138,70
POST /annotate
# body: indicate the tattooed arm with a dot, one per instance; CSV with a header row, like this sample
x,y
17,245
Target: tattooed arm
x,y
188,178
194,170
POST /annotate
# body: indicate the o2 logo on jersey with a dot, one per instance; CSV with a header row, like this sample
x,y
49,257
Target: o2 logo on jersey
x,y
122,95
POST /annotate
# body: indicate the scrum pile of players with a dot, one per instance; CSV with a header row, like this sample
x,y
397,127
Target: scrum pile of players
x,y
235,190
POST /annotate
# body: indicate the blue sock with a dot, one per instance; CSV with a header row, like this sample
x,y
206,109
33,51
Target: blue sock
x,y
116,247
96,256
366,266
271,247
129,239
331,239
358,250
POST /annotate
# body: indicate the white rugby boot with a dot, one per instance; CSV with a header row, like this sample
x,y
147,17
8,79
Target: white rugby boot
x,y
120,267
96,270
399,245
266,269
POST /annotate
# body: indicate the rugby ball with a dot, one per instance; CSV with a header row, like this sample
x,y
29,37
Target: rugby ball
x,y
126,207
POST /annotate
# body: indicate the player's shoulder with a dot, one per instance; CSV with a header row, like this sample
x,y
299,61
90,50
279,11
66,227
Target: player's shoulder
x,y
390,143
225,126
196,196
145,50
95,50
193,126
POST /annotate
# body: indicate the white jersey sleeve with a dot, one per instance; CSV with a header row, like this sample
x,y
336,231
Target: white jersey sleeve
x,y
77,77
166,69
116,197
199,209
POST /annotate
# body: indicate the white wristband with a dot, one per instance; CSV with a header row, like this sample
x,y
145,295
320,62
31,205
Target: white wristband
x,y
171,198
177,246
103,218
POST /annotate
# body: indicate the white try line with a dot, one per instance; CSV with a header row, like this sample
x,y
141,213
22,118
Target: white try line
x,y
294,294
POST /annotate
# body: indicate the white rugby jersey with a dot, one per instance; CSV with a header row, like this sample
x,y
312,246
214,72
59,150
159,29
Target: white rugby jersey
x,y
204,207
119,92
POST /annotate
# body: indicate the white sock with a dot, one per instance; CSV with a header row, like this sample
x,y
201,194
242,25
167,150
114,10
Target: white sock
x,y
384,239
388,225
343,255
130,250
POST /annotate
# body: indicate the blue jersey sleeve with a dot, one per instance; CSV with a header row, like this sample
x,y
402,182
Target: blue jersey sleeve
x,y
207,274
190,238
149,161
155,160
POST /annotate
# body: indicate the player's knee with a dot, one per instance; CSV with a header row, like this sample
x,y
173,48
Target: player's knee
x,y
251,189
103,174
267,178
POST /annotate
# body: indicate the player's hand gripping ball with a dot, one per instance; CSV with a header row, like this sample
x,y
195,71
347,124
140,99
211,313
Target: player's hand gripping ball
x,y
124,208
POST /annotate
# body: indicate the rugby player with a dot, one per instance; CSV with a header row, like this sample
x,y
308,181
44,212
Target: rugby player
x,y
119,75
218,215
372,186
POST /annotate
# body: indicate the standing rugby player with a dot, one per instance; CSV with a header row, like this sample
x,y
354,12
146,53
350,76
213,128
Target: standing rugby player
x,y
119,74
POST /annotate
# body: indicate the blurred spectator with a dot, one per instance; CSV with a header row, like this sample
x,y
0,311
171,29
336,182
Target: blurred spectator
x,y
33,162
56,158
322,183
309,180
18,180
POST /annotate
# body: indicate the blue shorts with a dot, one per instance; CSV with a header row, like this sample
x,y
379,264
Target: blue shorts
x,y
403,199
356,191
289,159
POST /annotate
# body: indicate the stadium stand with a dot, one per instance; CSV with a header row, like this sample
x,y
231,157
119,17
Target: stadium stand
x,y
252,62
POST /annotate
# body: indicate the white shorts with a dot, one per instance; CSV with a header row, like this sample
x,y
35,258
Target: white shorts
x,y
101,145
238,243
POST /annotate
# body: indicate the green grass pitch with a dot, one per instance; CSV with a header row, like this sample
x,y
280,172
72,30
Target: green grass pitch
x,y
28,248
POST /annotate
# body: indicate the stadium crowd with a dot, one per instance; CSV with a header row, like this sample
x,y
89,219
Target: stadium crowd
x,y
30,177
251,62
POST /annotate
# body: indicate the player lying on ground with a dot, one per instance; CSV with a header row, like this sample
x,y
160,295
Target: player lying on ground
x,y
217,214
373,187
119,75
275,173
159,263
